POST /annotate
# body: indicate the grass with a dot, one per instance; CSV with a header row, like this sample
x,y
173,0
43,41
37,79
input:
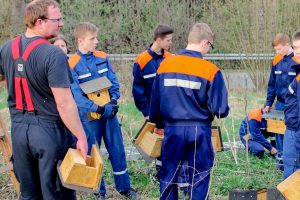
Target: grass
x,y
226,174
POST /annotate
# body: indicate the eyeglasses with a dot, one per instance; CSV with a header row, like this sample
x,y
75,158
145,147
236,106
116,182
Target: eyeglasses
x,y
54,20
211,45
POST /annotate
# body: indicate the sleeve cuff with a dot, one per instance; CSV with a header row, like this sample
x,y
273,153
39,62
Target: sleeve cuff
x,y
94,108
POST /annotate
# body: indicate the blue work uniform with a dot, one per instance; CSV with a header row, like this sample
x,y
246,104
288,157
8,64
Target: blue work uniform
x,y
188,92
281,75
144,72
291,112
256,125
86,67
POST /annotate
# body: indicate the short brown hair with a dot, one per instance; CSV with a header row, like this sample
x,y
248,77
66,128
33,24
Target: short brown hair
x,y
281,38
37,9
59,37
200,31
161,31
296,35
82,28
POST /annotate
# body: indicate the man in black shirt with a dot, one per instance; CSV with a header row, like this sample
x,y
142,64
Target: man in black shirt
x,y
40,103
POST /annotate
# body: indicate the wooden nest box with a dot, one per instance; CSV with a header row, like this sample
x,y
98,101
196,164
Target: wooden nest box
x,y
290,187
97,91
275,121
75,171
148,141
216,138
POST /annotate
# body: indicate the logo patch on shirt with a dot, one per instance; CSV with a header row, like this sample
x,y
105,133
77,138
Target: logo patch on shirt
x,y
20,67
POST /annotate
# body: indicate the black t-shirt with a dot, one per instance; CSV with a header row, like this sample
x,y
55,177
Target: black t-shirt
x,y
46,67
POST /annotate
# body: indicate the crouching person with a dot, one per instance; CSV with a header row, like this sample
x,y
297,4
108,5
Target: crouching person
x,y
256,126
88,64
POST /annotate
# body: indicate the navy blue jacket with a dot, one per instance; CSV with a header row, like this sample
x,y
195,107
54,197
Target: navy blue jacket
x,y
144,72
188,88
291,104
281,75
86,67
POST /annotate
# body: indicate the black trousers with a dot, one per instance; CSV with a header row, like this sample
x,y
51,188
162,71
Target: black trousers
x,y
37,145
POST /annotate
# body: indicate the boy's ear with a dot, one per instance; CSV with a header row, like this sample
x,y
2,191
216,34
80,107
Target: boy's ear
x,y
79,40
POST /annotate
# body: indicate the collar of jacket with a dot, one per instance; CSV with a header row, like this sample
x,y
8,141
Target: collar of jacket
x,y
192,53
155,55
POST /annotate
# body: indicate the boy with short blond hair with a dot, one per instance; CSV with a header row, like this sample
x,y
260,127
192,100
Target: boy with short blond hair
x,y
88,64
281,75
188,92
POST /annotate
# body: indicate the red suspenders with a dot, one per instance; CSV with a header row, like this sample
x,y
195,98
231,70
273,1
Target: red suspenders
x,y
20,80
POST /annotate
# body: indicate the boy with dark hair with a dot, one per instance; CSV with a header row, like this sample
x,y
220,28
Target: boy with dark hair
x,y
88,64
144,72
281,75
145,66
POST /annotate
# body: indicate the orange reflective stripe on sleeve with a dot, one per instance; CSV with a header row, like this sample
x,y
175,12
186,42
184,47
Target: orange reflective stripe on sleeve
x,y
189,66
277,59
255,114
73,60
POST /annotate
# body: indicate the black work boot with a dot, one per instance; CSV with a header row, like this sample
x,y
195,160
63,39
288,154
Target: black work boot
x,y
129,194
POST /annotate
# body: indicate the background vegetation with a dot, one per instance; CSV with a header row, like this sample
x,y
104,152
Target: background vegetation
x,y
241,26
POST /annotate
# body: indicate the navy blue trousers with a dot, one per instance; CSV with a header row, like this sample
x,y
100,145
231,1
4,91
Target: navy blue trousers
x,y
279,140
110,131
191,144
290,154
37,146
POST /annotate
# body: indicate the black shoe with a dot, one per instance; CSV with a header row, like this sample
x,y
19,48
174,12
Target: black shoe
x,y
129,194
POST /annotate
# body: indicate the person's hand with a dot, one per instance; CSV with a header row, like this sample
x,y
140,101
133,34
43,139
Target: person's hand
x,y
273,151
108,110
82,146
159,131
267,109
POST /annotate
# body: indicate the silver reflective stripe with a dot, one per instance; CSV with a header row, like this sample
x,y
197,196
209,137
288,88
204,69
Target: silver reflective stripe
x,y
278,72
149,76
158,162
182,83
84,76
291,89
102,71
277,158
292,73
121,172
183,184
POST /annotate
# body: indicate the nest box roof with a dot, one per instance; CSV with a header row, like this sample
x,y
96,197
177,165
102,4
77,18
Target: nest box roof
x,y
95,85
